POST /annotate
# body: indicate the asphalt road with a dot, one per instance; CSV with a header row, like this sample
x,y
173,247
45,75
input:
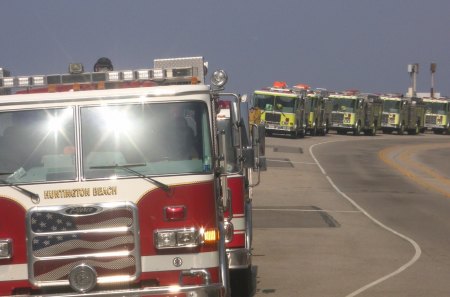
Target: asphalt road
x,y
353,216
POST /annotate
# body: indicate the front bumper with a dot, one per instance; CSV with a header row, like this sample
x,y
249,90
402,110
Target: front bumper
x,y
212,290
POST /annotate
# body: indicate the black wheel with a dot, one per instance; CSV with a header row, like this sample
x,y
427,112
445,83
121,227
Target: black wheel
x,y
401,130
414,131
372,131
241,281
294,134
357,130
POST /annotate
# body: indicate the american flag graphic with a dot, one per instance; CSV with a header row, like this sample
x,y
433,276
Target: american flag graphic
x,y
105,240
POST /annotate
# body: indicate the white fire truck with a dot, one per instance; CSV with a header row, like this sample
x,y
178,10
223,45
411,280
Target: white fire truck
x,y
111,183
241,139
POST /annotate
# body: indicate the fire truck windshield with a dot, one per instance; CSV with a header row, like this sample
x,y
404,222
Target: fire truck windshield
x,y
163,138
436,108
345,105
391,106
37,145
275,103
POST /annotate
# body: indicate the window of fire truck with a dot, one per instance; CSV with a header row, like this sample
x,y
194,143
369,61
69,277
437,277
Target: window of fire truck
x,y
37,145
285,104
153,138
275,103
341,104
265,102
391,106
232,157
436,108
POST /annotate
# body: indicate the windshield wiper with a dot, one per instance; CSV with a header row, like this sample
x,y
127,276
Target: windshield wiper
x,y
33,196
126,167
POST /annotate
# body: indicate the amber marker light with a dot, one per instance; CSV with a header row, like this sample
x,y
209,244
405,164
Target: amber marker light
x,y
210,235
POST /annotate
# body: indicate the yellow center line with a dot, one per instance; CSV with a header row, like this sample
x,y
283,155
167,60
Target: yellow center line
x,y
405,153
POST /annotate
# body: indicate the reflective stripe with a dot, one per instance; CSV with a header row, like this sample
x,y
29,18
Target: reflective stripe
x,y
13,272
238,223
149,263
188,261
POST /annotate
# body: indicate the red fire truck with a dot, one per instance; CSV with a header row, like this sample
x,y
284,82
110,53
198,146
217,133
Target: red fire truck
x,y
243,140
111,183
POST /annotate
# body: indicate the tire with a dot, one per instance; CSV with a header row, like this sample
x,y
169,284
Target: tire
x,y
372,131
414,131
241,281
401,129
294,135
357,130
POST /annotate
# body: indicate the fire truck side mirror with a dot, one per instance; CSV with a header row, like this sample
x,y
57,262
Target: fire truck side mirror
x,y
258,159
259,147
223,164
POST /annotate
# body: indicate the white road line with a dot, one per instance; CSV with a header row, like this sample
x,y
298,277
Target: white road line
x,y
417,249
287,161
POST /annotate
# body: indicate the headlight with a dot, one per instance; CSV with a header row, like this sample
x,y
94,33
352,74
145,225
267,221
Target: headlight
x,y
177,238
5,249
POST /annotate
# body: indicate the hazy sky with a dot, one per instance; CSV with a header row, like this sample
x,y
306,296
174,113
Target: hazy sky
x,y
333,44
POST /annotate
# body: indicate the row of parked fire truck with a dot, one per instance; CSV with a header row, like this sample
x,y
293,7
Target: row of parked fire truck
x,y
300,110
126,183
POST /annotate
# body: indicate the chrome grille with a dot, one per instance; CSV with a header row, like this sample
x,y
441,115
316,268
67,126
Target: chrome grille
x,y
430,119
337,118
273,117
385,118
103,236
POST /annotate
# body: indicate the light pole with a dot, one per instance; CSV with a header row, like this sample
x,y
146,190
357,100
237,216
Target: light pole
x,y
413,69
433,70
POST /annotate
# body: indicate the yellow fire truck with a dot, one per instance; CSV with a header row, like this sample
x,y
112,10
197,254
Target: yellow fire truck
x,y
282,109
437,115
315,112
402,114
111,184
355,112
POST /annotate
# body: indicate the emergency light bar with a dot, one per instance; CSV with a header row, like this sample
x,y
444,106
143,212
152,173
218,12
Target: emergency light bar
x,y
179,75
